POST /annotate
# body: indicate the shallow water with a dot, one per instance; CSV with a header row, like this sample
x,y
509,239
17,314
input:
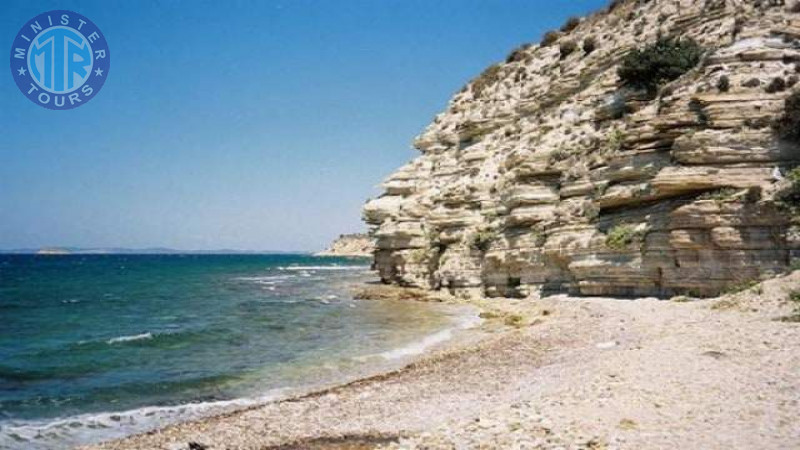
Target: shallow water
x,y
100,346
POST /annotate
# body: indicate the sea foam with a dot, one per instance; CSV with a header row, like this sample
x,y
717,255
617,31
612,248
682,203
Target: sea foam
x,y
92,428
421,346
135,337
324,268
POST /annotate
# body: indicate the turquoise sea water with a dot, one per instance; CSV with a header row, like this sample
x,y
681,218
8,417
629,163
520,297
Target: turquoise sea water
x,y
99,346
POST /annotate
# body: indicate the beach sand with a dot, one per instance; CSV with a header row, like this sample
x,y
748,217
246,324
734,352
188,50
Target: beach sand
x,y
556,373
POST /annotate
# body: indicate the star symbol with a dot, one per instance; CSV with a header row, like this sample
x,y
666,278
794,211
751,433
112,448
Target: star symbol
x,y
98,72
21,71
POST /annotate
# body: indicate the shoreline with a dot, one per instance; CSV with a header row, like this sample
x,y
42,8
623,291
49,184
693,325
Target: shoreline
x,y
145,419
555,372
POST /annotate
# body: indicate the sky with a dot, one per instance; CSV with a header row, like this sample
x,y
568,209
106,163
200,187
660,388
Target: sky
x,y
251,125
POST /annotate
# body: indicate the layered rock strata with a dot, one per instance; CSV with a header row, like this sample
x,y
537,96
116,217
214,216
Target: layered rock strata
x,y
546,174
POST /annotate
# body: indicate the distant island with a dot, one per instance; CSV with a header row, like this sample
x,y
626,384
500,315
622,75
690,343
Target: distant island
x,y
52,251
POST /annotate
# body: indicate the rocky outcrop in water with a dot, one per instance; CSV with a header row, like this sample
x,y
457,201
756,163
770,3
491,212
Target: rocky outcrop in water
x,y
547,173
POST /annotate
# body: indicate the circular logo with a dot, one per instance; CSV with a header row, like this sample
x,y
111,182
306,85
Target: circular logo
x,y
60,59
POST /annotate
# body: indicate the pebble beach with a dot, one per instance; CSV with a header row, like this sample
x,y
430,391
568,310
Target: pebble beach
x,y
555,373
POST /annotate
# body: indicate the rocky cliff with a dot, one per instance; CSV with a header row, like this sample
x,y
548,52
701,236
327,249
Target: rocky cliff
x,y
548,173
357,244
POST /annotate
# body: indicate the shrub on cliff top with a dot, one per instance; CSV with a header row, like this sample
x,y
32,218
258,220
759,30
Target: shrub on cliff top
x,y
487,78
550,38
518,54
658,63
788,125
614,4
570,24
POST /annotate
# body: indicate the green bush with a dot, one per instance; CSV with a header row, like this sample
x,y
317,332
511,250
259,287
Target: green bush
x,y
518,54
570,24
788,125
566,48
589,45
482,239
697,108
658,63
742,286
794,300
487,78
753,194
777,84
615,4
724,83
615,140
790,195
550,38
719,195
622,236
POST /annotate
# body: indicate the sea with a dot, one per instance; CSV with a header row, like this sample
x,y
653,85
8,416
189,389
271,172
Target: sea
x,y
96,347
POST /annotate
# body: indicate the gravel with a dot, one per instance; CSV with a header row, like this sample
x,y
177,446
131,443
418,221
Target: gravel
x,y
568,374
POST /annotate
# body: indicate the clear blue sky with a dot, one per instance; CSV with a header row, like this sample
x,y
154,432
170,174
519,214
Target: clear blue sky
x,y
248,125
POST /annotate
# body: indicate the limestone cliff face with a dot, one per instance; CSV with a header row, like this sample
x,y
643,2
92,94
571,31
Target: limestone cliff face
x,y
350,245
532,179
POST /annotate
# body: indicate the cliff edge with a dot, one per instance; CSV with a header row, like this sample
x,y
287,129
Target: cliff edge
x,y
557,171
